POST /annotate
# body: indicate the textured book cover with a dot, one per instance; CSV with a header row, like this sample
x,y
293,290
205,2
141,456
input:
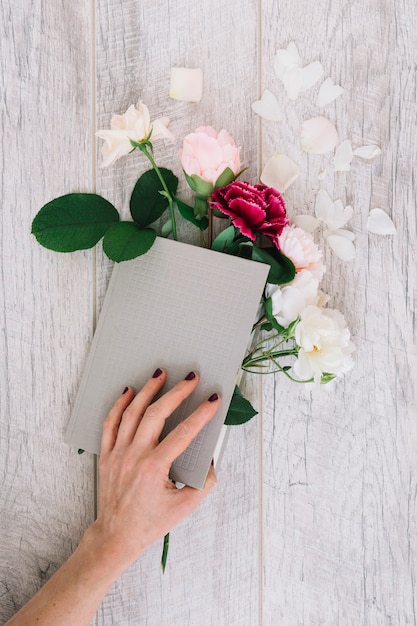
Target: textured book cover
x,y
182,308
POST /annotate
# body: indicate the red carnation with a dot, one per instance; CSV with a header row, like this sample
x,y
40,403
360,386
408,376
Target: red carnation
x,y
254,209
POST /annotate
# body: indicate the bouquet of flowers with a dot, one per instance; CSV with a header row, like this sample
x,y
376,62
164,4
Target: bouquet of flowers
x,y
295,332
302,337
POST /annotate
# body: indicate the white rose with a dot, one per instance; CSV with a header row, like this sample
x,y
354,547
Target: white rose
x,y
289,301
324,341
135,124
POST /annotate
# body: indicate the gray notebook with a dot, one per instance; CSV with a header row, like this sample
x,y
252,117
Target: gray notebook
x,y
182,308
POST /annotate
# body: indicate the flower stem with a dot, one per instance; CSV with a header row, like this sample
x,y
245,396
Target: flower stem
x,y
268,356
168,196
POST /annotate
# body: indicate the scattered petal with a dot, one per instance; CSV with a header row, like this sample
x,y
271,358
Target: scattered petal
x,y
367,152
343,156
342,232
288,68
308,223
280,172
285,59
318,135
311,74
342,247
322,175
186,84
268,107
328,92
333,214
380,223
323,206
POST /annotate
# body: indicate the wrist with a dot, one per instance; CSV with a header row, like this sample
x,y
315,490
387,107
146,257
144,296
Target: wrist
x,y
109,553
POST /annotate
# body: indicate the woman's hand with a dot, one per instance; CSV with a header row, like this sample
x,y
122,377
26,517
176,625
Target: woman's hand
x,y
138,503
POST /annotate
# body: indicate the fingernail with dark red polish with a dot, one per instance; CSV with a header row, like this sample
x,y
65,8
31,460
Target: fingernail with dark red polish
x,y
213,397
157,373
190,376
125,389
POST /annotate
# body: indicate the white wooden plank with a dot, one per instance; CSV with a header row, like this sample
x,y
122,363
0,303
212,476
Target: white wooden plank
x,y
339,464
46,489
212,574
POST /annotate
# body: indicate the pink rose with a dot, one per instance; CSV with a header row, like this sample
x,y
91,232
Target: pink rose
x,y
207,153
254,209
299,246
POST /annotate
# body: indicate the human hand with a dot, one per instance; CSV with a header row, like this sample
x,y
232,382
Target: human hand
x,y
138,503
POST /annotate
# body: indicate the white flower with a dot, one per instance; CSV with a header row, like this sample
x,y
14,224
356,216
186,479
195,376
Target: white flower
x,y
332,213
325,345
135,124
299,246
289,301
295,78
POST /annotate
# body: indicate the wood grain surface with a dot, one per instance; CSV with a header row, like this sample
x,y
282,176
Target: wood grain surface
x,y
313,521
47,490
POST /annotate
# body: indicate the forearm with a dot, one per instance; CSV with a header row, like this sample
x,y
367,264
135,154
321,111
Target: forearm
x,y
76,590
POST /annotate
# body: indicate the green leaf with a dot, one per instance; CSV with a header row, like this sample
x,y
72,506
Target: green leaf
x,y
125,241
201,207
270,316
75,221
225,178
164,555
147,203
224,239
200,186
240,409
282,269
326,377
218,213
187,213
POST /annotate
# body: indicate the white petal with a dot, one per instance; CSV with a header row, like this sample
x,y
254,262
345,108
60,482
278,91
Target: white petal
x,y
318,135
186,84
160,130
380,223
285,58
322,175
311,74
341,232
292,80
342,247
328,92
367,152
268,107
308,223
341,215
280,172
343,156
324,205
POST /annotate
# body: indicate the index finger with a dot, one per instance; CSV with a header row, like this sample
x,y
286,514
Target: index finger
x,y
180,438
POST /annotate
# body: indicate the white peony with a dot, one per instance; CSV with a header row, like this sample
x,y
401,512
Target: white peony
x,y
324,341
299,246
135,124
289,301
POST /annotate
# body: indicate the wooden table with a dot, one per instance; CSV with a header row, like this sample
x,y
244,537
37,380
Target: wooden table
x,y
314,517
